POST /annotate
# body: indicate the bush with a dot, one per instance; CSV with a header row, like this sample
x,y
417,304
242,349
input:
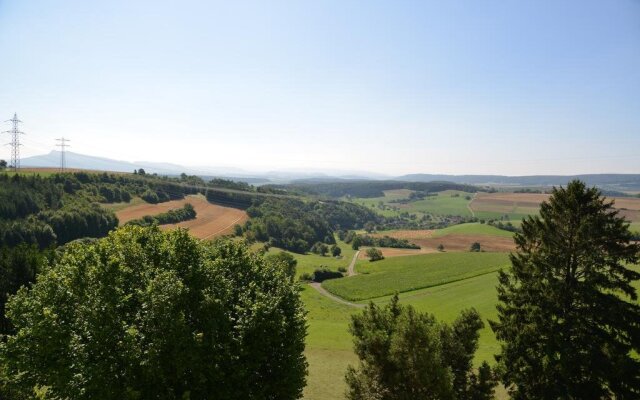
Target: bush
x,y
440,247
475,246
322,274
306,277
374,254
187,212
335,250
150,197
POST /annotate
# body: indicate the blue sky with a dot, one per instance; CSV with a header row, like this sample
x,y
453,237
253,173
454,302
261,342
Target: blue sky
x,y
507,87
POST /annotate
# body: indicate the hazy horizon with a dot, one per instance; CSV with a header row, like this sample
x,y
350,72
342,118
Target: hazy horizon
x,y
506,88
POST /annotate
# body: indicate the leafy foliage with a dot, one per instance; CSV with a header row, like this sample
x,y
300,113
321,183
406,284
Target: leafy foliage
x,y
384,241
296,225
374,254
18,267
405,354
185,213
146,314
566,329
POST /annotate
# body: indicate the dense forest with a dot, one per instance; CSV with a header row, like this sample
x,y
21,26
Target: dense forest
x,y
297,225
366,188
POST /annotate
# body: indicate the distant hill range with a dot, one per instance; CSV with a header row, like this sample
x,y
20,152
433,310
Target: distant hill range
x,y
82,161
614,182
621,182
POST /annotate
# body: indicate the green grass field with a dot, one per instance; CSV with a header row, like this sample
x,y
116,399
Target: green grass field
x,y
449,202
403,274
309,262
472,229
121,206
329,345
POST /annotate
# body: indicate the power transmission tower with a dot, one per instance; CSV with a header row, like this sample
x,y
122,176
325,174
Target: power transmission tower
x,y
63,145
15,142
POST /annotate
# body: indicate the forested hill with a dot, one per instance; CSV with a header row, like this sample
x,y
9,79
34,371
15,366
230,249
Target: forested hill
x,y
59,208
367,188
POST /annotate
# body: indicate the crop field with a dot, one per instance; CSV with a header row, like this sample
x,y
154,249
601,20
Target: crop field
x,y
454,238
403,274
211,220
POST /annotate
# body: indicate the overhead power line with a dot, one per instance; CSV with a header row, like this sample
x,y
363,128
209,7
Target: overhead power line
x,y
15,142
63,145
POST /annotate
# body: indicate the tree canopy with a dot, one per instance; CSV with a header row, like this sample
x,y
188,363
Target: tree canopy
x,y
568,318
405,354
145,314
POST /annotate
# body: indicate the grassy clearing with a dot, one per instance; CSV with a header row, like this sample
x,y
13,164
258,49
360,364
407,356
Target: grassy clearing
x,y
403,274
121,206
635,227
309,262
449,202
329,347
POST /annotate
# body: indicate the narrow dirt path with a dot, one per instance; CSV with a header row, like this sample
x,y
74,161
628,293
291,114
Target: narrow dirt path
x,y
352,267
350,272
322,291
469,204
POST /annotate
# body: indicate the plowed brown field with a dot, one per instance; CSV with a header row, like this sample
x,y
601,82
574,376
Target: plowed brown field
x,y
211,220
452,242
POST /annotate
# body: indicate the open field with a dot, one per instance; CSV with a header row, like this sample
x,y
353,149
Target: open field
x,y
449,202
454,238
309,262
211,220
519,205
329,345
403,274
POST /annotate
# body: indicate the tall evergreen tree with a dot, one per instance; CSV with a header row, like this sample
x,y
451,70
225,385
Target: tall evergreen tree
x,y
568,318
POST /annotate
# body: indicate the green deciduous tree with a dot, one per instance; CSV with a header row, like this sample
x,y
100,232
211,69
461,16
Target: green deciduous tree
x,y
144,314
566,327
405,354
374,254
286,261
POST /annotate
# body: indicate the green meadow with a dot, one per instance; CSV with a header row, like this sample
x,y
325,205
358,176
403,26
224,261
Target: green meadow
x,y
309,262
403,274
329,345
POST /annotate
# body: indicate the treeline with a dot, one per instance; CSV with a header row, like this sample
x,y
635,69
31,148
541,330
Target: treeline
x,y
185,213
368,189
357,240
297,225
44,211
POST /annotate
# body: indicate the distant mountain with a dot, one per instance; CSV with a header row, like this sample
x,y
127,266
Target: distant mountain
x,y
82,161
609,181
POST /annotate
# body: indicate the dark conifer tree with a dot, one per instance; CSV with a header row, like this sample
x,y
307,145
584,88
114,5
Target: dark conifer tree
x,y
568,318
